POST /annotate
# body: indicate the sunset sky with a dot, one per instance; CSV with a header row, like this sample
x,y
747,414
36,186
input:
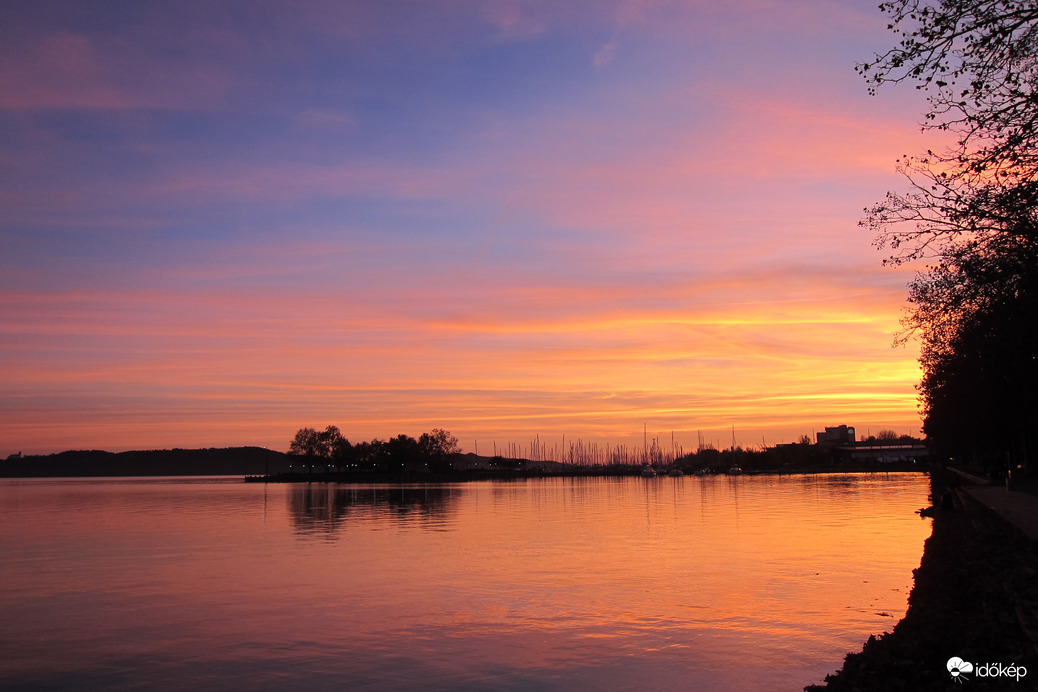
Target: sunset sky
x,y
224,221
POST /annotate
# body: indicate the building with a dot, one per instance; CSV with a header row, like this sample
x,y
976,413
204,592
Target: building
x,y
839,435
884,453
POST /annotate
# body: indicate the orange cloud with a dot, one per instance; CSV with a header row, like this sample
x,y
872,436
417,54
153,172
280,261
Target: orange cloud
x,y
675,249
548,361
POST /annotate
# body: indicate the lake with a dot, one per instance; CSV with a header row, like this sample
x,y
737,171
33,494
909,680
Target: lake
x,y
717,583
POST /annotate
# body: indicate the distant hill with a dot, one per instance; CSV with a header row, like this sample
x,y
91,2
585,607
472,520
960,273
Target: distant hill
x,y
232,461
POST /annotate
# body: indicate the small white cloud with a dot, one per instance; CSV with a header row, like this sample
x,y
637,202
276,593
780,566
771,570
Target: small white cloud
x,y
605,55
511,23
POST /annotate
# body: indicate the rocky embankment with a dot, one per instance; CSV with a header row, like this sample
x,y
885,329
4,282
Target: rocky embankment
x,y
975,598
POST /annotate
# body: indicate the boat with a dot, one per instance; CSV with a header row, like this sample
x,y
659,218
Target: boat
x,y
648,472
735,471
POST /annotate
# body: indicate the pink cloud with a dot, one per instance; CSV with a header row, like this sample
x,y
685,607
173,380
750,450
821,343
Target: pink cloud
x,y
604,55
306,353
678,252
288,181
67,70
60,70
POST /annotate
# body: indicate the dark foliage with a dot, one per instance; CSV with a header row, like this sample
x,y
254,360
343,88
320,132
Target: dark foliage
x,y
328,449
972,214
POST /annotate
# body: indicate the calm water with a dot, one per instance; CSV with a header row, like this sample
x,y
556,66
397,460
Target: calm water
x,y
749,583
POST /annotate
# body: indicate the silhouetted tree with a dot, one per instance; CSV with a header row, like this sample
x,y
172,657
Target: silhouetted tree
x,y
433,451
328,445
307,442
438,447
980,384
976,60
971,212
365,455
403,453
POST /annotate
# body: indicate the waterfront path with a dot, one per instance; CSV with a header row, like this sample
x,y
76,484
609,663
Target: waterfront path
x,y
1019,506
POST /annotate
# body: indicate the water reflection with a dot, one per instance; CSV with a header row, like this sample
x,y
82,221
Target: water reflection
x,y
321,509
752,584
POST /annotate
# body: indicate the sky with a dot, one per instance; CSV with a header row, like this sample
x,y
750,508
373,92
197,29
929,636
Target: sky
x,y
511,219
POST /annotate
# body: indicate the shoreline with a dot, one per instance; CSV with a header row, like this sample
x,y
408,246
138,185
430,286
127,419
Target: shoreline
x,y
975,597
574,471
258,463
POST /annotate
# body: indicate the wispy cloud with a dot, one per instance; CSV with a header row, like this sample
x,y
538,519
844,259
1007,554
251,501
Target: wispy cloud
x,y
504,217
604,55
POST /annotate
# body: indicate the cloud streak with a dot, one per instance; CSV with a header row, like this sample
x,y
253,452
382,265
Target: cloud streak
x,y
509,219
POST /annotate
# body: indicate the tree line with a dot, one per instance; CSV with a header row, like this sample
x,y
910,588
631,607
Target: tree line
x,y
970,215
329,450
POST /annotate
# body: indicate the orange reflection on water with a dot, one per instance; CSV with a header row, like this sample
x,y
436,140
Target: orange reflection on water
x,y
602,569
749,583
